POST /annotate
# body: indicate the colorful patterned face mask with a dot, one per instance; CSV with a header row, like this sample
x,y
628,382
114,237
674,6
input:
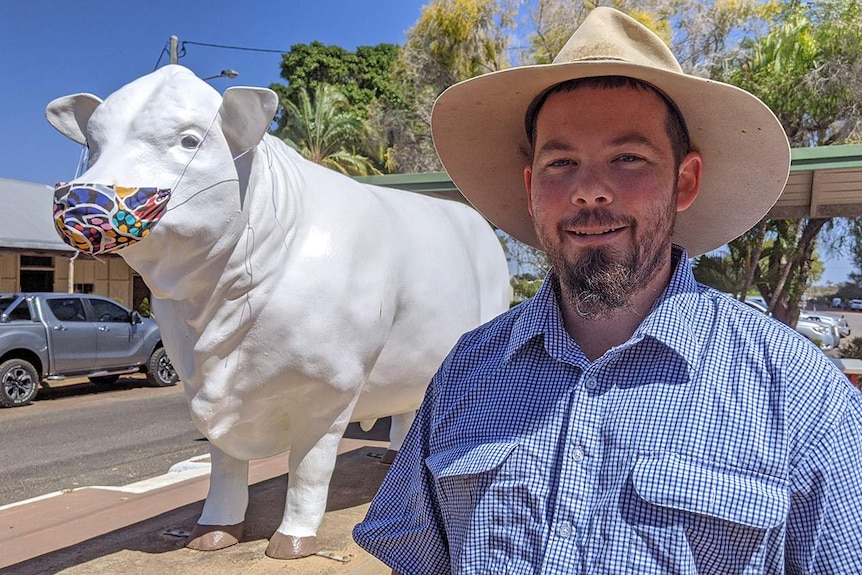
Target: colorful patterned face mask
x,y
97,219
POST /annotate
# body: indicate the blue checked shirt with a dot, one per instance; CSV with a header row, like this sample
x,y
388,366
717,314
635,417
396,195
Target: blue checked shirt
x,y
715,440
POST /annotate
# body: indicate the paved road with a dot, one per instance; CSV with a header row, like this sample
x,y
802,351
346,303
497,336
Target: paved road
x,y
78,436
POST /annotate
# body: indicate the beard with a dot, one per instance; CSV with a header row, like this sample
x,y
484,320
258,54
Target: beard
x,y
597,281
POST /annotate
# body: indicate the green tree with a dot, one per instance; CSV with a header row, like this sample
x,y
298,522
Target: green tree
x,y
700,33
721,271
453,40
807,69
325,129
363,76
457,39
524,287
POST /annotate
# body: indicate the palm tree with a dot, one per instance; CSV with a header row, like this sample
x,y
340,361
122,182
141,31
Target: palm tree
x,y
719,271
326,130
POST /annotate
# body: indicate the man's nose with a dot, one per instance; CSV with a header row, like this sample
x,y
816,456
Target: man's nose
x,y
591,189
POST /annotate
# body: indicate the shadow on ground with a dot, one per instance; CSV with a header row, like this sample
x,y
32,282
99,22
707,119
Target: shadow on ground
x,y
146,548
81,386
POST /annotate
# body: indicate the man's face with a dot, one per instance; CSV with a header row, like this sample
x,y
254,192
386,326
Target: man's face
x,y
603,191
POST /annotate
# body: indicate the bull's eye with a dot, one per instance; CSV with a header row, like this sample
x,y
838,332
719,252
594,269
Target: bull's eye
x,y
190,142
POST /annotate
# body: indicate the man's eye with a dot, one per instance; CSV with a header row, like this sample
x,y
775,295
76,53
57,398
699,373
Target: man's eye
x,y
628,158
559,163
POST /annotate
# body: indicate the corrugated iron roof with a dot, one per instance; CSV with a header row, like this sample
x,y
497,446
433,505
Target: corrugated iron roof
x,y
25,217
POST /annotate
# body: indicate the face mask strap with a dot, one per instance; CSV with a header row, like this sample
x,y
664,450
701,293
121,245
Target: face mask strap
x,y
186,167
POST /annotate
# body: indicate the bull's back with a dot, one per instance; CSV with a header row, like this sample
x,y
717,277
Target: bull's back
x,y
385,279
438,257
453,276
450,255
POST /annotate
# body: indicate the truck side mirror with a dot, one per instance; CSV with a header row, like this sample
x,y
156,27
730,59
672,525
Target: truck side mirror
x,y
136,317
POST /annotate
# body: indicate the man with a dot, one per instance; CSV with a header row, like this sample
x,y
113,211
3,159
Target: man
x,y
626,419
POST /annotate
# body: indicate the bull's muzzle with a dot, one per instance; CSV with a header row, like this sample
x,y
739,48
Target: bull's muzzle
x,y
98,219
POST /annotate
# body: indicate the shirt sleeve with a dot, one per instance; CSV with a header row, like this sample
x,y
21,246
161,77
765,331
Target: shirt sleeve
x,y
823,532
403,526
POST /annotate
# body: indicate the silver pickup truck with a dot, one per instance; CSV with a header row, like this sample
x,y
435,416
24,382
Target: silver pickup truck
x,y
47,337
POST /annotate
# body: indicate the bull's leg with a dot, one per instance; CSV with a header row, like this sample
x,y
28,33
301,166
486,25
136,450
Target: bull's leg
x,y
222,520
311,464
397,432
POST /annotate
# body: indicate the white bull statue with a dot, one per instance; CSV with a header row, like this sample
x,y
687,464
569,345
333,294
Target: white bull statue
x,y
291,299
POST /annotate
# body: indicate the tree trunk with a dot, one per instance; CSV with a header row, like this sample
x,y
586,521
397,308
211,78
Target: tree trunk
x,y
754,258
784,304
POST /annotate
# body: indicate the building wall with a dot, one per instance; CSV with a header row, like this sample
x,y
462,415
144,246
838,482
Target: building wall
x,y
9,279
109,276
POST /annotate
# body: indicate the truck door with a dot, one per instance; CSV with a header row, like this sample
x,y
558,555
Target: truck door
x,y
119,341
72,337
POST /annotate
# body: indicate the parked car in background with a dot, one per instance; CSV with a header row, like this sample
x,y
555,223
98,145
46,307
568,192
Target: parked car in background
x,y
47,337
856,304
838,324
822,334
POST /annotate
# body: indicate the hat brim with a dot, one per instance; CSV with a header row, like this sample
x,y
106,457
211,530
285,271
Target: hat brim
x,y
478,130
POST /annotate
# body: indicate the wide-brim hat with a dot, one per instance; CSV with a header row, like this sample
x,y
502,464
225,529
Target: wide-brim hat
x,y
479,133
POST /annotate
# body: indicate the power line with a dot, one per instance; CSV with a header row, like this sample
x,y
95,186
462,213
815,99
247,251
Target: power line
x,y
183,43
159,61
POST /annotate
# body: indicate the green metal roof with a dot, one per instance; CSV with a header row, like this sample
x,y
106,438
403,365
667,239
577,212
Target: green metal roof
x,y
434,183
826,158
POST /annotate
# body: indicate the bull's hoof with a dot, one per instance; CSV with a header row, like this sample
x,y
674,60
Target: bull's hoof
x,y
283,546
388,457
213,537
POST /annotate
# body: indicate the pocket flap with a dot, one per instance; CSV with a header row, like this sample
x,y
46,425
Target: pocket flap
x,y
733,495
469,459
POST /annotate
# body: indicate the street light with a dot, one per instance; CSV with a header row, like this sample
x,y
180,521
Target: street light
x,y
223,74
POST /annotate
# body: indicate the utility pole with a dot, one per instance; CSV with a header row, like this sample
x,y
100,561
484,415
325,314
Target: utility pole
x,y
174,43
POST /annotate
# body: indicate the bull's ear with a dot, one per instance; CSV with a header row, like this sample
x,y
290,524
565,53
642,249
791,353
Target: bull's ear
x,y
70,115
246,114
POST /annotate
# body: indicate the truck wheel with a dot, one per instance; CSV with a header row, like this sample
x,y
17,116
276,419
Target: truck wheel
x,y
160,372
19,383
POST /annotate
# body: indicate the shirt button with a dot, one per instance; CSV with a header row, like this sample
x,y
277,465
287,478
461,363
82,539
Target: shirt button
x,y
591,382
564,529
577,454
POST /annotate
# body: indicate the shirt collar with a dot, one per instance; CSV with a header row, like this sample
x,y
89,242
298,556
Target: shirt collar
x,y
540,318
670,321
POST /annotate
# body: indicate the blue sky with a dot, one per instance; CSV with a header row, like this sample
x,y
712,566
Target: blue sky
x,y
52,48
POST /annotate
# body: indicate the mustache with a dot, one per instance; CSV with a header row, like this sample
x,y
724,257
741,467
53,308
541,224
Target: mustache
x,y
596,217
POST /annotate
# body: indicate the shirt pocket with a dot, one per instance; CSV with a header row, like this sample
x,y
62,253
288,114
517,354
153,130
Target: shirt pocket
x,y
696,515
473,508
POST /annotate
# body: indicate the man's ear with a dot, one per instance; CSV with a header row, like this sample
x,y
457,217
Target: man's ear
x,y
688,181
528,185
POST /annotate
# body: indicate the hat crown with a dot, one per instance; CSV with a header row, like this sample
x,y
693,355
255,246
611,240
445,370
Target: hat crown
x,y
608,34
